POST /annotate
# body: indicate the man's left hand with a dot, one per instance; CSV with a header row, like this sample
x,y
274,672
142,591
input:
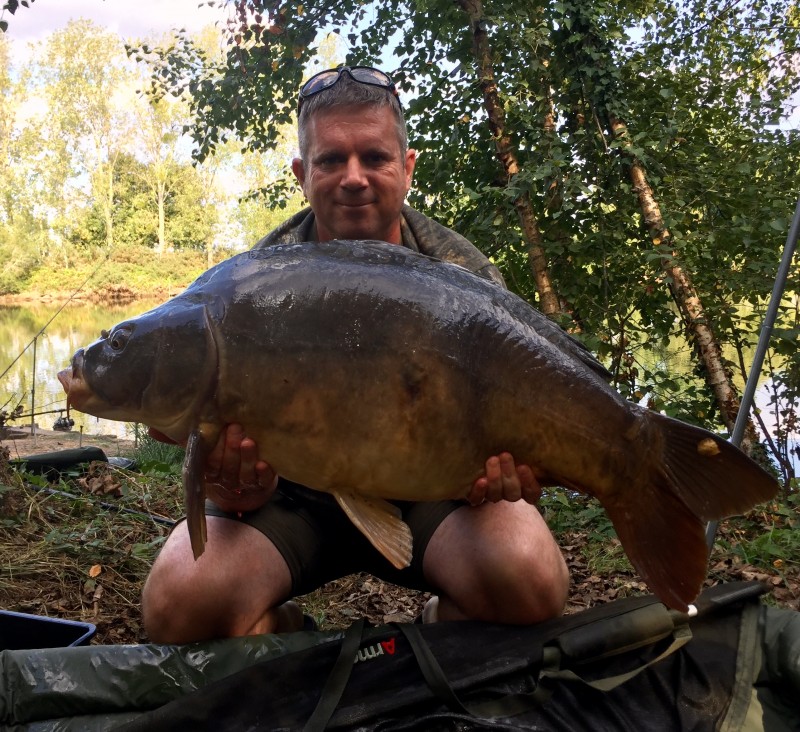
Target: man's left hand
x,y
505,481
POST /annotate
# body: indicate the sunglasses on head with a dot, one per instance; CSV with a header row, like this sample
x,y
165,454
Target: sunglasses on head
x,y
362,74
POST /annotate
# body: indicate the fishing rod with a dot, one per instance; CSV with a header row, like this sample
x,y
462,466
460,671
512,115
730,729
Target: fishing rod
x,y
761,349
62,424
36,414
106,505
42,330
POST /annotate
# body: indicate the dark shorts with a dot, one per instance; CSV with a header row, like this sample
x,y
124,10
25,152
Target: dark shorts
x,y
320,544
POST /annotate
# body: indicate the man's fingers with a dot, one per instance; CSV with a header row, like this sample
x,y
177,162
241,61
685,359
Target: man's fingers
x,y
505,481
478,493
230,465
252,470
501,479
531,490
510,488
266,476
214,459
248,457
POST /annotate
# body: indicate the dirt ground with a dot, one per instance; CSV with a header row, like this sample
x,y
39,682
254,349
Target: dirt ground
x,y
80,549
51,441
87,560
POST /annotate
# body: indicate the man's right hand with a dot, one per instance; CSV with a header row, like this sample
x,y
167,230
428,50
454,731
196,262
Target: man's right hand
x,y
236,480
505,481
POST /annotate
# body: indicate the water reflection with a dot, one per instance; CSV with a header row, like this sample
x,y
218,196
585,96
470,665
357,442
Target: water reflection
x,y
22,339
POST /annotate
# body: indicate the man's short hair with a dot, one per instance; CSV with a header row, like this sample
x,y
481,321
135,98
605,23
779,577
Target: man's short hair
x,y
349,93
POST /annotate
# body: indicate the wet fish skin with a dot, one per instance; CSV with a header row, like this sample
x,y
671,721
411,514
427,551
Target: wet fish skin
x,y
370,372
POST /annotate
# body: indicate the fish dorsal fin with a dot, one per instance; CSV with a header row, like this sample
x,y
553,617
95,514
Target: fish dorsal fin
x,y
380,522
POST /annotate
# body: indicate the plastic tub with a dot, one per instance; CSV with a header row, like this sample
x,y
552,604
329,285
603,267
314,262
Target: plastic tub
x,y
21,631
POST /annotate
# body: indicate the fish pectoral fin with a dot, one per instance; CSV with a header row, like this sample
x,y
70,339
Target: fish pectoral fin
x,y
380,522
194,491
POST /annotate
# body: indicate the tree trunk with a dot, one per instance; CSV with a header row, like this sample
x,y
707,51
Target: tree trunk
x,y
548,297
706,345
161,195
109,207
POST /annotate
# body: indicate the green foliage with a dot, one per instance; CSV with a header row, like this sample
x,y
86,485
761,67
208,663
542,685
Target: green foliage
x,y
129,271
157,459
567,511
106,170
18,256
771,541
135,213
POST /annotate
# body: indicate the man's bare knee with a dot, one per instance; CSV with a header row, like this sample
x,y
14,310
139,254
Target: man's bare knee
x,y
170,608
515,575
231,590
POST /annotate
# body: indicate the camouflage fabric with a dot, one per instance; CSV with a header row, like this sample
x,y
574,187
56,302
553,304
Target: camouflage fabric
x,y
419,233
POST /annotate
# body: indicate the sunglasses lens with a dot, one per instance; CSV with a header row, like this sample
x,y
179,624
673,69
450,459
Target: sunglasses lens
x,y
319,82
370,76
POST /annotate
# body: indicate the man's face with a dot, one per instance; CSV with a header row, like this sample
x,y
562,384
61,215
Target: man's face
x,y
355,176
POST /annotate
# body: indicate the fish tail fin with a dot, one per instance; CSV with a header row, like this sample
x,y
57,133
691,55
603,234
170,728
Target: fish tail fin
x,y
695,477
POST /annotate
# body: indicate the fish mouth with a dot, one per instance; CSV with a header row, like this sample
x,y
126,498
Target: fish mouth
x,y
72,382
65,377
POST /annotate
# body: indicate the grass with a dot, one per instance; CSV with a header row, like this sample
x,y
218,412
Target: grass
x,y
157,459
767,538
81,548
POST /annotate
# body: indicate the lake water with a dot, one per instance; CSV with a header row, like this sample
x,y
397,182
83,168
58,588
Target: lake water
x,y
72,328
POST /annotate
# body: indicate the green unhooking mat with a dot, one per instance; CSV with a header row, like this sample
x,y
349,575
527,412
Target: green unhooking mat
x,y
627,665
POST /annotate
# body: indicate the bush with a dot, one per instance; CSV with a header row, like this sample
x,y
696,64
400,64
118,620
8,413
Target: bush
x,y
130,272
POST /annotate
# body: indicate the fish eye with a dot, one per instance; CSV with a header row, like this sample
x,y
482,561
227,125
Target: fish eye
x,y
118,339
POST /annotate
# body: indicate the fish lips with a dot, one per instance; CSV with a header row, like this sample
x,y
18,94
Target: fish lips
x,y
72,382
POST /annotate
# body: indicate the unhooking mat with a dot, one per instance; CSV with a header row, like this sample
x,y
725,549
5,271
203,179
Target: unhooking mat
x,y
627,665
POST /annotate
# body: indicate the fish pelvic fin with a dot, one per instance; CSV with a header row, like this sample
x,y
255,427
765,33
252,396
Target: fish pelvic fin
x,y
695,477
380,522
194,491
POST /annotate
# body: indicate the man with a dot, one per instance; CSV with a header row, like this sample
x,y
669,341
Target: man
x,y
270,540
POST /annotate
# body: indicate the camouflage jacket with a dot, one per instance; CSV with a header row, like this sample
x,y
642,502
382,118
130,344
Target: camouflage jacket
x,y
420,233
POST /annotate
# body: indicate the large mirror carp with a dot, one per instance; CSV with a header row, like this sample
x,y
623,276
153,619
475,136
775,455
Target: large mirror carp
x,y
370,372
